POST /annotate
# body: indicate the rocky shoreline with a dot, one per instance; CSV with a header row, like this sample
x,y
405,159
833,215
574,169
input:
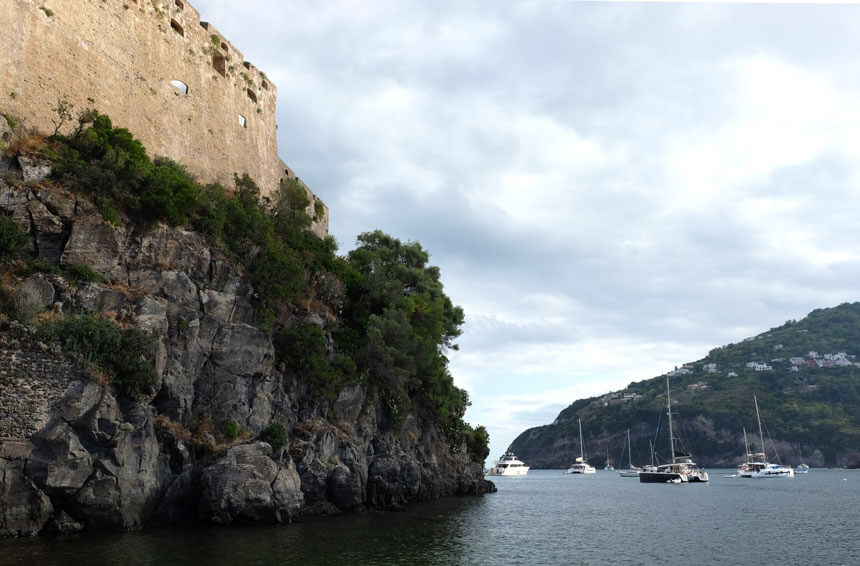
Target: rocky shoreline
x,y
76,456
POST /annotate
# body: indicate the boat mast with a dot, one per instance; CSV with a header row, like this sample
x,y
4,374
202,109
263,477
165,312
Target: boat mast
x,y
746,445
581,449
760,434
630,454
669,405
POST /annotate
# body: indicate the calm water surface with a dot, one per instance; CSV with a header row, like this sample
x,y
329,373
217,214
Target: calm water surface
x,y
545,518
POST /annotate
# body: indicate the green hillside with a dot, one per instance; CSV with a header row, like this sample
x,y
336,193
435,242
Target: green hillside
x,y
804,373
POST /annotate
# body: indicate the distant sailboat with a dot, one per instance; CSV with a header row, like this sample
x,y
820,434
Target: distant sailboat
x,y
756,464
803,467
608,467
631,471
581,466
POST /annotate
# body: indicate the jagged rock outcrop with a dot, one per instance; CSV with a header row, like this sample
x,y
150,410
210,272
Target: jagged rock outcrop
x,y
75,455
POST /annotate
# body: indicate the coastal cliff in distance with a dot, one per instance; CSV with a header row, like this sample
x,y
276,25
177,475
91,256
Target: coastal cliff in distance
x,y
175,354
805,374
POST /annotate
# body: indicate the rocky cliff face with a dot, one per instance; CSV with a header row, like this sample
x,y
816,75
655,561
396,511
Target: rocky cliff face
x,y
75,455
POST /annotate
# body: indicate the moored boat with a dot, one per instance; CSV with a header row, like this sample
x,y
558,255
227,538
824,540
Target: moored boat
x,y
580,466
756,464
803,467
682,469
508,465
631,471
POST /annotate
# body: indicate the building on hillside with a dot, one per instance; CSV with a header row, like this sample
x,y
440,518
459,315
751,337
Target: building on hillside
x,y
174,81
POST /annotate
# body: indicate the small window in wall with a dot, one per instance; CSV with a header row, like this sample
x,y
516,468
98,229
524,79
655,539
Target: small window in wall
x,y
242,121
252,96
180,86
224,46
265,85
179,5
176,27
219,62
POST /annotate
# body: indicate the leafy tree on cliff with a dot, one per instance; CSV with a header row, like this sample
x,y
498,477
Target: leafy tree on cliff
x,y
398,324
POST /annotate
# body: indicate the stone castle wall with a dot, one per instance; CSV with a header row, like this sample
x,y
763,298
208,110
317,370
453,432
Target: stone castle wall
x,y
175,82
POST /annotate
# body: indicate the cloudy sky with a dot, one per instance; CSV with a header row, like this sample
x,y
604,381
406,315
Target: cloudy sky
x,y
609,189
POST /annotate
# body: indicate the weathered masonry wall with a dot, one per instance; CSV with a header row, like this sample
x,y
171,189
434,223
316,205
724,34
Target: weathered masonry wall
x,y
179,85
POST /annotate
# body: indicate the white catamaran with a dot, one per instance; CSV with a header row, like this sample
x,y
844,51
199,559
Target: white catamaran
x,y
756,464
581,466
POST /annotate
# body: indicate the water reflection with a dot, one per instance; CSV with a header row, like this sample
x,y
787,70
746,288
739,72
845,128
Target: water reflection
x,y
546,518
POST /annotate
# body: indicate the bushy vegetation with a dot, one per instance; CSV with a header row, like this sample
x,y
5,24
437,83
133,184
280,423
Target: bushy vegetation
x,y
83,273
398,325
303,349
276,435
121,354
230,430
14,243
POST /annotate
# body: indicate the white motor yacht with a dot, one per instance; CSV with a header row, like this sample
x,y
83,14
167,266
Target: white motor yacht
x,y
508,465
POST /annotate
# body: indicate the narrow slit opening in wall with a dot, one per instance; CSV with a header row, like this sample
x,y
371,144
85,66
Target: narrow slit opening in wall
x,y
252,96
242,121
177,28
224,46
180,86
179,5
265,85
219,62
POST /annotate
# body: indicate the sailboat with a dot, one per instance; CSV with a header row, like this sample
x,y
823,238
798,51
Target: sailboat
x,y
682,469
803,467
756,464
581,466
608,467
631,471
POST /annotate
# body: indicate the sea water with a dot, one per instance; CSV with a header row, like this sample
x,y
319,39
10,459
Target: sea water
x,y
546,517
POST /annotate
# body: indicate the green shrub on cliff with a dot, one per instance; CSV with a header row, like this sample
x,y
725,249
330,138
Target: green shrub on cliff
x,y
121,354
84,273
14,242
103,161
276,435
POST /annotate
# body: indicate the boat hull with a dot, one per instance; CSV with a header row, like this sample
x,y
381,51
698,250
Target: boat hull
x,y
781,473
581,469
510,472
661,477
